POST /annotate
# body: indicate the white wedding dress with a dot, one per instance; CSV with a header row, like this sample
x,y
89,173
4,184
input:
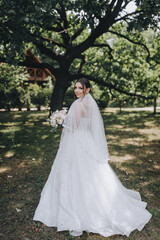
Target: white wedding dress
x,y
82,192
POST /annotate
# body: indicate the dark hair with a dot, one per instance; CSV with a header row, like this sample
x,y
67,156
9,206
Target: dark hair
x,y
85,82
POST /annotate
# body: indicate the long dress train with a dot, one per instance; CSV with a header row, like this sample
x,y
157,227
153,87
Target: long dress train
x,y
82,192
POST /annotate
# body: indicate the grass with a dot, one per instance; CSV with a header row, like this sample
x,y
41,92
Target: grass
x,y
28,149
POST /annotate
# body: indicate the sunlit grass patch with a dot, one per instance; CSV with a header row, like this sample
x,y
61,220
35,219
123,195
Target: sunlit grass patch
x,y
4,169
9,154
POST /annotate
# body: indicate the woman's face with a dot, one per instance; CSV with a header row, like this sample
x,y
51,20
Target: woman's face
x,y
79,90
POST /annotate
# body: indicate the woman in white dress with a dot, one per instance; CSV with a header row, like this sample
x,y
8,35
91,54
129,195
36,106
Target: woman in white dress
x,y
82,192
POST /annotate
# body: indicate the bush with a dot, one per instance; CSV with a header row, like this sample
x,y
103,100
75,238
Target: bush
x,y
12,95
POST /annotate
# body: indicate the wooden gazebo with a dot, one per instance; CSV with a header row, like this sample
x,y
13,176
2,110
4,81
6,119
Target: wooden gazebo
x,y
36,75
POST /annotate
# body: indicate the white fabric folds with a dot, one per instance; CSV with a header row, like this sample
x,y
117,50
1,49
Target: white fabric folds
x,y
82,192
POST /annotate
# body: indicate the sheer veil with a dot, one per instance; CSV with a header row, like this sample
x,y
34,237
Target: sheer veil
x,y
84,117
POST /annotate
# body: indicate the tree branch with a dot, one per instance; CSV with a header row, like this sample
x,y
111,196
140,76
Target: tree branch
x,y
112,4
43,48
51,28
3,60
132,41
117,8
109,85
63,14
128,15
52,41
65,35
104,24
32,38
104,45
77,34
47,51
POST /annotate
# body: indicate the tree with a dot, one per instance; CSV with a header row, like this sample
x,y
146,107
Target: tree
x,y
39,95
129,72
64,30
11,93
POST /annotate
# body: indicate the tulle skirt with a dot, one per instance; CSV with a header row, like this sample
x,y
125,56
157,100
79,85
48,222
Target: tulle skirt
x,y
83,193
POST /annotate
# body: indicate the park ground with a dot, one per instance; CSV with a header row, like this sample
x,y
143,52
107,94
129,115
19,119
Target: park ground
x,y
28,148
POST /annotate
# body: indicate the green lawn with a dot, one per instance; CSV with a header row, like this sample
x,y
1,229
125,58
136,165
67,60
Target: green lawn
x,y
28,149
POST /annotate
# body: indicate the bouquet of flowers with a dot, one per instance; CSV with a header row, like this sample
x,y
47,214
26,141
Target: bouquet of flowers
x,y
57,118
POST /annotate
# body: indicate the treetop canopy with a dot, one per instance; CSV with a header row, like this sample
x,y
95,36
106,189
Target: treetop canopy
x,y
37,22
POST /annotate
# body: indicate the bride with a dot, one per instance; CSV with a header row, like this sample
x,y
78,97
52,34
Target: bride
x,y
82,192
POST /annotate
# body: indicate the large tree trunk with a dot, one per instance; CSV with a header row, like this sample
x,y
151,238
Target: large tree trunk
x,y
60,87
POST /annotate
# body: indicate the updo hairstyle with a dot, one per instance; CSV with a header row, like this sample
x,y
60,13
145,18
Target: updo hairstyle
x,y
85,82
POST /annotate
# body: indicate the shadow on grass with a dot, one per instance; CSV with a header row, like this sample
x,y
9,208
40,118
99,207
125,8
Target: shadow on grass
x,y
28,149
27,137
